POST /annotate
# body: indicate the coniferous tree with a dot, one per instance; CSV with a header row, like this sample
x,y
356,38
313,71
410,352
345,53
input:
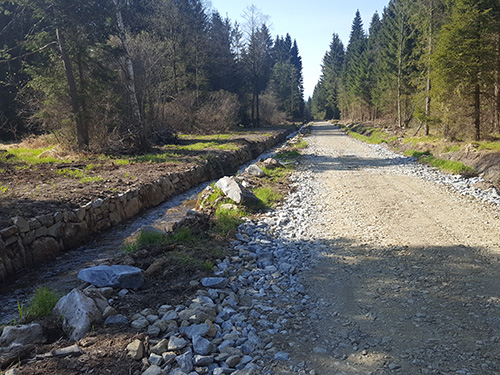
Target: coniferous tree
x,y
463,60
353,62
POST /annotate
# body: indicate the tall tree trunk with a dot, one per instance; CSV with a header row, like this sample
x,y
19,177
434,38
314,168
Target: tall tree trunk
x,y
428,85
400,72
139,133
81,126
83,103
497,87
477,111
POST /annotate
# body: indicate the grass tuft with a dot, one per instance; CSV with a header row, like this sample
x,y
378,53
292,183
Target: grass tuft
x,y
268,196
228,220
454,167
42,302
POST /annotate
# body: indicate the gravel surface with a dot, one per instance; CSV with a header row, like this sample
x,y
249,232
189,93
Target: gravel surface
x,y
373,265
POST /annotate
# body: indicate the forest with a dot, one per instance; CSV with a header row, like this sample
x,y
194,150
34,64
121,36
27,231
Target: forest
x,y
120,74
429,64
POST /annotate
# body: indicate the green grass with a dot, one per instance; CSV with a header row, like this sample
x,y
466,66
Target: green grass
x,y
301,144
375,136
28,156
146,238
3,189
42,303
73,173
416,154
121,162
167,157
487,146
195,146
228,220
455,167
426,139
268,196
452,148
288,156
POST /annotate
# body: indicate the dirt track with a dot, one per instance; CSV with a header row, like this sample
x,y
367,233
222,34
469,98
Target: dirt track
x,y
409,282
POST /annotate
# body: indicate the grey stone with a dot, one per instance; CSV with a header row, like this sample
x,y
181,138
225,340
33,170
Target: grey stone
x,y
170,315
160,347
153,370
233,360
177,343
254,170
155,359
282,356
185,361
235,191
135,349
115,276
79,313
203,360
214,282
140,323
22,335
116,319
202,346
177,371
21,223
195,330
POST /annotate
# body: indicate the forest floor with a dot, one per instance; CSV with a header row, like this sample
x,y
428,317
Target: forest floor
x,y
41,180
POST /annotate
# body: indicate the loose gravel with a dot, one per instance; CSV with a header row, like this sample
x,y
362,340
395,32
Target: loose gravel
x,y
347,277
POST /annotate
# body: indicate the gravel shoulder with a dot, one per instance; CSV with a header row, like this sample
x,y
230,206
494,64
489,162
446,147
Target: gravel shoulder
x,y
407,276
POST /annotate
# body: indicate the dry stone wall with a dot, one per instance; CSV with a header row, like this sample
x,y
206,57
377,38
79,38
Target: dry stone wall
x,y
29,242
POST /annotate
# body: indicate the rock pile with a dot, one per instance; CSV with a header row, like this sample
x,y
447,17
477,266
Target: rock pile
x,y
253,297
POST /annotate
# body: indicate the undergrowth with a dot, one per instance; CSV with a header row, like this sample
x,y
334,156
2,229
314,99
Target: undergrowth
x,y
42,303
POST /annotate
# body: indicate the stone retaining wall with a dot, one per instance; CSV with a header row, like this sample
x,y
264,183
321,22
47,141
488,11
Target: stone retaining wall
x,y
32,241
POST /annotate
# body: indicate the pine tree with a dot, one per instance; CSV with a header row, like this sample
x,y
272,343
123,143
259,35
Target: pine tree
x,y
463,62
353,62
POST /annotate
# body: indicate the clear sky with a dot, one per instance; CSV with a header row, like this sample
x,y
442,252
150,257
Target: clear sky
x,y
311,22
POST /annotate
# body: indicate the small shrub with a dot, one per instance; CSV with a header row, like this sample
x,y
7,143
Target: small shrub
x,y
182,235
42,303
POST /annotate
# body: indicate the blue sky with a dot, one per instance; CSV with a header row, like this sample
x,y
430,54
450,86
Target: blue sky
x,y
311,22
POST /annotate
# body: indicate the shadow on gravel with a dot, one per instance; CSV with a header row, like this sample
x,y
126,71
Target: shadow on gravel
x,y
348,163
411,310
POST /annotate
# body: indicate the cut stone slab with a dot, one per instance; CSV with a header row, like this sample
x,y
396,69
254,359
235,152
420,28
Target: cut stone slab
x,y
235,191
116,276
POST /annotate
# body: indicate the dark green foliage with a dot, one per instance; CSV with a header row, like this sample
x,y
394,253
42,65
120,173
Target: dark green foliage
x,y
116,73
432,64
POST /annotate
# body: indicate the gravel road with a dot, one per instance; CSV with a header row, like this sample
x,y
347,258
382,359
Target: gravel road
x,y
405,278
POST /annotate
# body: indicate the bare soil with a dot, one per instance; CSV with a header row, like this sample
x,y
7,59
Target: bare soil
x,y
38,189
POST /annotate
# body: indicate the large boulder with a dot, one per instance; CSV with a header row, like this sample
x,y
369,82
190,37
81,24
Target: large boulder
x,y
79,313
117,276
236,192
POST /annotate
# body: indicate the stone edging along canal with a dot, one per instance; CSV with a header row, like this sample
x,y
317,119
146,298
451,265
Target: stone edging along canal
x,y
31,241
